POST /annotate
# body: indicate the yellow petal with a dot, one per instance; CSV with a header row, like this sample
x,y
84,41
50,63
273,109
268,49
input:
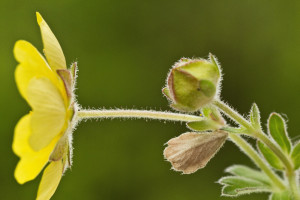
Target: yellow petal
x,y
52,49
32,64
50,180
31,162
49,112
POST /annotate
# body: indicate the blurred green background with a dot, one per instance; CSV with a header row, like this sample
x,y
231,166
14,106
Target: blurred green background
x,y
125,50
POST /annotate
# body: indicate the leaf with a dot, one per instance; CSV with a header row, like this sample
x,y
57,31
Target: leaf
x,y
247,172
268,154
235,186
204,125
192,151
296,156
281,196
255,116
277,129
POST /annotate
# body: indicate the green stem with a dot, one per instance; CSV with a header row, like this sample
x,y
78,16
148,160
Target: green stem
x,y
251,153
282,156
256,133
262,136
146,114
233,114
292,178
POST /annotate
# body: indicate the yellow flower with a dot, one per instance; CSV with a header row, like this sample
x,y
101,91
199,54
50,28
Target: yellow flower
x,y
44,135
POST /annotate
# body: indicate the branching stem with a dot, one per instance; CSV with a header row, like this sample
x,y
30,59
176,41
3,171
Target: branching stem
x,y
252,154
259,134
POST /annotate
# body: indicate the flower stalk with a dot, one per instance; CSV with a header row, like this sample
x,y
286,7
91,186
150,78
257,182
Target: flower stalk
x,y
145,114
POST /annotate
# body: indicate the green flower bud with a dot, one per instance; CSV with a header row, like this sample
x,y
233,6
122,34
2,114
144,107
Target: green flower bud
x,y
193,83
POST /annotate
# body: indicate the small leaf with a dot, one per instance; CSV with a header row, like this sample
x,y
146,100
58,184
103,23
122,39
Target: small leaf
x,y
192,151
277,129
268,154
235,186
296,156
204,125
247,172
255,116
281,196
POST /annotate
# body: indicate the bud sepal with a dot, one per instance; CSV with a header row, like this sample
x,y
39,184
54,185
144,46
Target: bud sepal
x,y
192,84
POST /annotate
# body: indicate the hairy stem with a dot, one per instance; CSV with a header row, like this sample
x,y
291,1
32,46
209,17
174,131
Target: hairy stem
x,y
253,155
255,133
289,168
259,134
146,114
282,156
234,115
292,178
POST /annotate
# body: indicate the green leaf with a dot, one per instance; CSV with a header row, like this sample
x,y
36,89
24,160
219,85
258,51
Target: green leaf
x,y
296,156
235,186
247,172
203,125
281,196
271,157
277,129
255,116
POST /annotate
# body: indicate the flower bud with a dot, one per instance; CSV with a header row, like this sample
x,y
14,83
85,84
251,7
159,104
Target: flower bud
x,y
192,83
